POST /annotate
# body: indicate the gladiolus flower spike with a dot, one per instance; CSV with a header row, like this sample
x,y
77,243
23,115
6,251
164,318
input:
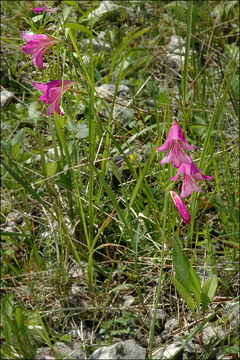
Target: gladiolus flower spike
x,y
38,10
183,211
174,144
36,46
52,93
190,174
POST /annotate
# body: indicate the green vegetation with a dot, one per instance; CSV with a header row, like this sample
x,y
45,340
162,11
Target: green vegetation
x,y
86,190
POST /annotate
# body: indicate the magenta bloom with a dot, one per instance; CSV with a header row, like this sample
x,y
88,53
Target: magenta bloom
x,y
191,173
38,10
183,211
174,144
52,93
36,46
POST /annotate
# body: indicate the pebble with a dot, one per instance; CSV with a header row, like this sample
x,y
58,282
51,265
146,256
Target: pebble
x,y
128,349
5,96
171,324
105,7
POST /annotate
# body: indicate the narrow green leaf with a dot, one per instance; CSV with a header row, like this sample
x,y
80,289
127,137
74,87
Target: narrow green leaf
x,y
134,66
27,187
113,199
11,234
86,75
5,39
187,53
126,40
194,332
122,286
78,27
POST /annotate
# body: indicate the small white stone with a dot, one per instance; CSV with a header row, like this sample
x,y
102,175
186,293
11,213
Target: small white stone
x,y
171,324
6,96
103,8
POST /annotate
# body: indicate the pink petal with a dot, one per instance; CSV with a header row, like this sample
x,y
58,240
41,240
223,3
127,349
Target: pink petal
x,y
165,146
186,145
189,185
57,108
54,83
50,109
188,168
34,37
38,10
175,178
199,176
53,93
37,58
36,46
176,133
175,155
28,49
26,36
183,211
41,87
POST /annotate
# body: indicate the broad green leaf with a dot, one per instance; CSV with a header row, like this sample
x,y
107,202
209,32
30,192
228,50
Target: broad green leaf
x,y
15,151
6,147
176,4
194,285
208,291
229,5
6,315
184,293
37,18
19,137
51,168
19,318
82,132
180,262
33,111
70,3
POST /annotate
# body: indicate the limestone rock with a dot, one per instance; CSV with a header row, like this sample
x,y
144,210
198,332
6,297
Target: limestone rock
x,y
5,96
66,351
128,349
171,324
104,7
107,91
175,43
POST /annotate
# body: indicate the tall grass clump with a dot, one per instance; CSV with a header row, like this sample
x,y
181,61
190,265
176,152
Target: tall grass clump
x,y
119,169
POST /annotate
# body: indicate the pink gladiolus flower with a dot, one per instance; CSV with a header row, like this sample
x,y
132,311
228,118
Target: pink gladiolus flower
x,y
36,46
183,211
191,173
38,10
174,144
52,93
